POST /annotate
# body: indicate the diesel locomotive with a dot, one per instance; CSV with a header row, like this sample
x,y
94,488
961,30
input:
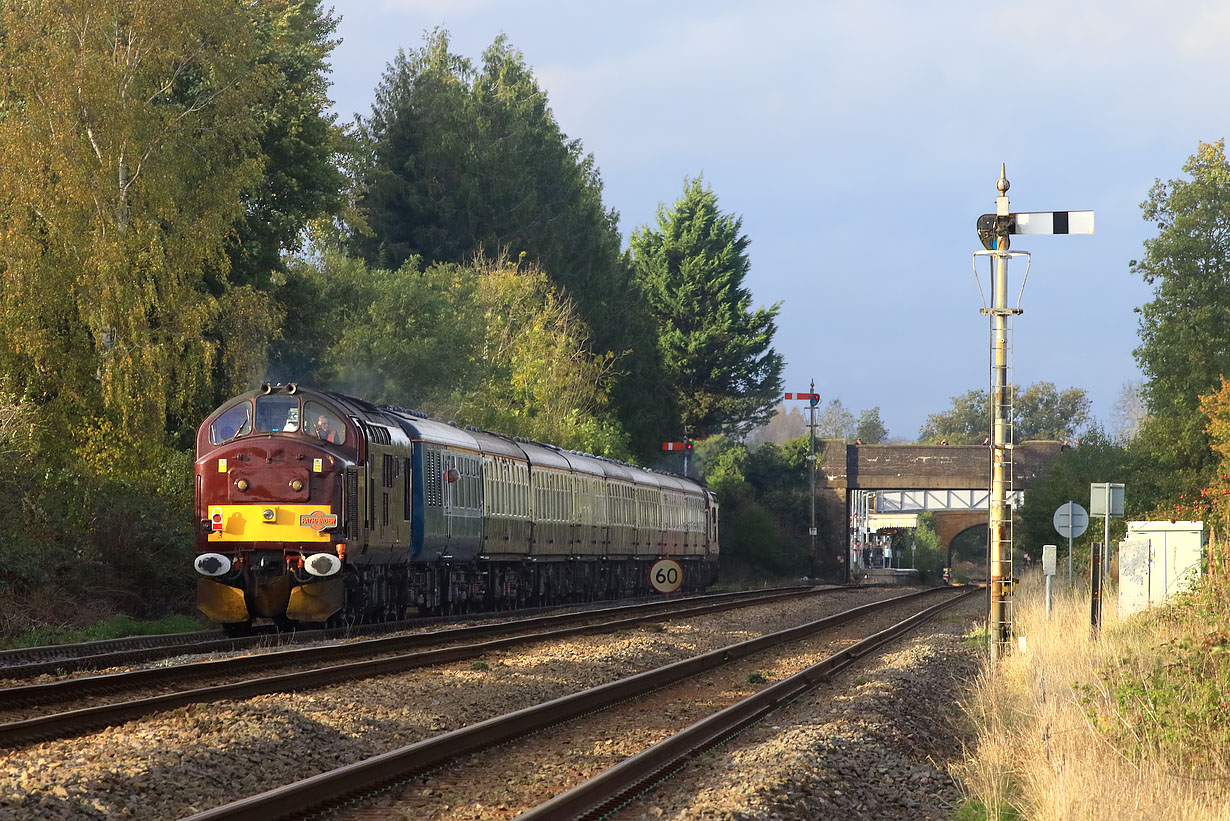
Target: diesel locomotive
x,y
316,507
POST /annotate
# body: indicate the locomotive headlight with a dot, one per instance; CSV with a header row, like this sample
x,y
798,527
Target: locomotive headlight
x,y
269,514
212,564
296,485
242,484
322,564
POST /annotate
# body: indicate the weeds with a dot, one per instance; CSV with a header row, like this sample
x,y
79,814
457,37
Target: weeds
x,y
113,627
1132,725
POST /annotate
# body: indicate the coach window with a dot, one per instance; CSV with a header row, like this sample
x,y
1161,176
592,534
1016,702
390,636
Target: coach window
x,y
234,421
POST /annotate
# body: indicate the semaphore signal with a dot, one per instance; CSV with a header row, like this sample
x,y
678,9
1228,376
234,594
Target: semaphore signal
x,y
992,226
994,231
684,447
812,398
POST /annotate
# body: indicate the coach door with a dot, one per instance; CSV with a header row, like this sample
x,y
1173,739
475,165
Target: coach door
x,y
449,475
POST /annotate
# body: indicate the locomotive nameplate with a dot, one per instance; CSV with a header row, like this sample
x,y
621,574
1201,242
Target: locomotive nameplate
x,y
318,520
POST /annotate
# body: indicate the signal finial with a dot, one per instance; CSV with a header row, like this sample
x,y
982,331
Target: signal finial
x,y
1002,185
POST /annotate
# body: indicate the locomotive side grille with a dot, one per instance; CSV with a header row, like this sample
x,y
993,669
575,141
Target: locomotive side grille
x,y
431,468
385,520
408,498
388,469
352,503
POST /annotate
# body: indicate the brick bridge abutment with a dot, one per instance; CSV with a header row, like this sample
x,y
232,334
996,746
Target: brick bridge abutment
x,y
842,468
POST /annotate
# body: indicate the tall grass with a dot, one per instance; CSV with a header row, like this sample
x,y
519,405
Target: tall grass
x,y
1132,724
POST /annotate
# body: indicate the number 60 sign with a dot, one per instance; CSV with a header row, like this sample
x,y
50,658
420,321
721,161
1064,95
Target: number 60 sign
x,y
666,575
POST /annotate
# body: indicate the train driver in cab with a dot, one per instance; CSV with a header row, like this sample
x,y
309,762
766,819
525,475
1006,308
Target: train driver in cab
x,y
326,428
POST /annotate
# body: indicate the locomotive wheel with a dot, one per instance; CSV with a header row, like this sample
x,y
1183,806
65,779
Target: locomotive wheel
x,y
237,629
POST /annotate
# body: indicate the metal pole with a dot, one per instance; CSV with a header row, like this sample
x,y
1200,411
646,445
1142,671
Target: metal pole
x,y
1106,534
1095,591
811,458
1001,538
1049,577
1069,544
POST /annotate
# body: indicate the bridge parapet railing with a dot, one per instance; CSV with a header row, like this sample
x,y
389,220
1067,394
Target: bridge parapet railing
x,y
918,501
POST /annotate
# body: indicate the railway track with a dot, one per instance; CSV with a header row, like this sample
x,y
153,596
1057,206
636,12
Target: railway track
x,y
27,723
60,659
456,752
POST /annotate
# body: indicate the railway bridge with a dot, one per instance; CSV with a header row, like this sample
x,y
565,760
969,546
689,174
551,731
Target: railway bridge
x,y
843,468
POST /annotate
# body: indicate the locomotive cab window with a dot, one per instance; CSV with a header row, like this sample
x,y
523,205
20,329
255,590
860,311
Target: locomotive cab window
x,y
232,422
277,413
323,423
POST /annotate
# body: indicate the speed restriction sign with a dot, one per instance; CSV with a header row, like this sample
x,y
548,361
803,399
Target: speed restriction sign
x,y
666,575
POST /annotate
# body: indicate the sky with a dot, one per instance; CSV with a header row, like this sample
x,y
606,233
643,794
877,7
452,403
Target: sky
x,y
859,141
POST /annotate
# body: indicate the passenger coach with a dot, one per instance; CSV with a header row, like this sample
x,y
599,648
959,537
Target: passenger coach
x,y
314,507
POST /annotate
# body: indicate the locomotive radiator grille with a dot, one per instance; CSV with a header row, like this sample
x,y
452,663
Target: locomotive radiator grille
x,y
352,503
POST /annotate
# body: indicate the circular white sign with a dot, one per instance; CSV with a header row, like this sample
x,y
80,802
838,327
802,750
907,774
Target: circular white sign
x,y
1071,524
666,575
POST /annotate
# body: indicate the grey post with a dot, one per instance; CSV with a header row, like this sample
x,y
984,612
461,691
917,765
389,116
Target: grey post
x,y
1048,570
1069,544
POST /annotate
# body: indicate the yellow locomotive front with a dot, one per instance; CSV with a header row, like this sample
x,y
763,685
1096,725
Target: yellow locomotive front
x,y
270,501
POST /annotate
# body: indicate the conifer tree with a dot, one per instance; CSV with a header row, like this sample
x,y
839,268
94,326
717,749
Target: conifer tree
x,y
717,350
462,161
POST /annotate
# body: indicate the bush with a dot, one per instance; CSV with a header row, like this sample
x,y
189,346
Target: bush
x,y
83,544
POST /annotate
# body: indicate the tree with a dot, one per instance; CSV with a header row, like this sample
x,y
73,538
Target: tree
x,y
539,377
1185,329
765,499
967,422
717,351
1096,459
871,430
1213,501
129,138
1042,412
460,161
835,422
784,425
1039,412
300,140
1129,413
492,344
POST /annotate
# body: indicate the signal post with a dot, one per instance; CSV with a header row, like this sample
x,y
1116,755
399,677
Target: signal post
x,y
993,232
813,399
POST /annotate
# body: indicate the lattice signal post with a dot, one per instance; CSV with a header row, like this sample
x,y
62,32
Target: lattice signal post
x,y
813,399
994,231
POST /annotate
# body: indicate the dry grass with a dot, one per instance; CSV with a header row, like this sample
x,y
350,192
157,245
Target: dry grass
x,y
1062,733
